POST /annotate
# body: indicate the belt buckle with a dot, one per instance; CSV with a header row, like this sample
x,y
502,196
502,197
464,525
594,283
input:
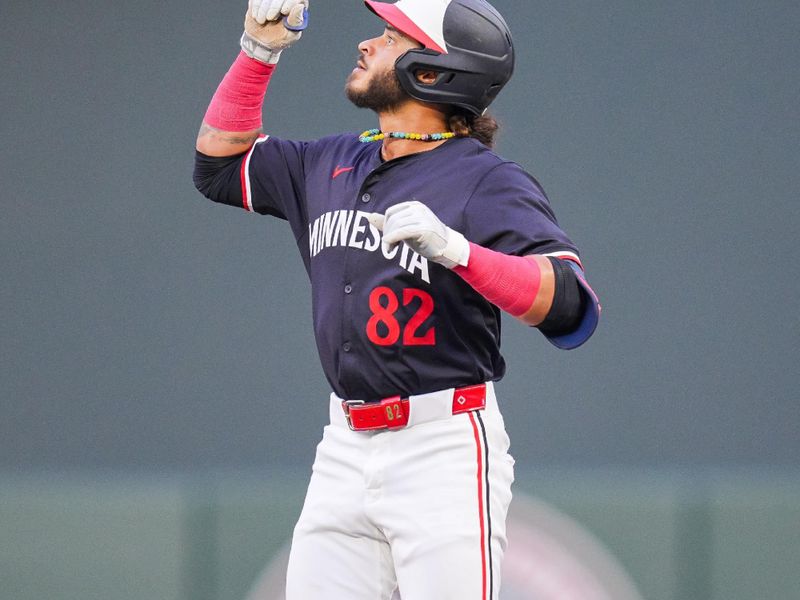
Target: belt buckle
x,y
346,404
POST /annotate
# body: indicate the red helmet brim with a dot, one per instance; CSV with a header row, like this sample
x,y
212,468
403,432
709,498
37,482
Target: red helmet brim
x,y
400,21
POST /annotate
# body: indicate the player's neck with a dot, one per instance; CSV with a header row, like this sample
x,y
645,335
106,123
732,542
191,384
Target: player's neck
x,y
412,117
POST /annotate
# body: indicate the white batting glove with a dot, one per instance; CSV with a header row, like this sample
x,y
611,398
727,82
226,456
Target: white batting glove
x,y
422,231
271,26
269,10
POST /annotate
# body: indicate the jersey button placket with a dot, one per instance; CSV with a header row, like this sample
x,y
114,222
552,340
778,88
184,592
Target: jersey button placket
x,y
346,346
351,353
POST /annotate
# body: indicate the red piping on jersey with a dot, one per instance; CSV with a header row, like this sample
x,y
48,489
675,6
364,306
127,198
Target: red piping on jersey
x,y
243,179
568,257
480,503
247,203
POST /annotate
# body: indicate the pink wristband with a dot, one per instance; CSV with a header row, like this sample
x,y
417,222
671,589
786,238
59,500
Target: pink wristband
x,y
237,103
509,282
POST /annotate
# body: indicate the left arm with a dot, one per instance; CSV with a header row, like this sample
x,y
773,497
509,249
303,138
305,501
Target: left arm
x,y
523,286
540,307
541,291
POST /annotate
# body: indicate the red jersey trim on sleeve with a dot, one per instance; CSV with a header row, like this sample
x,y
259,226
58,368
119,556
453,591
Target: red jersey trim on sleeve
x,y
247,194
566,255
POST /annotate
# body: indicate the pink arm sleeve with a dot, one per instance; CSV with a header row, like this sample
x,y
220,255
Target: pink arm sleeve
x,y
509,282
237,103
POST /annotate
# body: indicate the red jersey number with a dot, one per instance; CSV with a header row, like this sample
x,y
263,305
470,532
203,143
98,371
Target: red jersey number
x,y
383,329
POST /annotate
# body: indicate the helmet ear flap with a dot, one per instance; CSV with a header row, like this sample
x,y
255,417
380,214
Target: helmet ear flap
x,y
453,85
408,65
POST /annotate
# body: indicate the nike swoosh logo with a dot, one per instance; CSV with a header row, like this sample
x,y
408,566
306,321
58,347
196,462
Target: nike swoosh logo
x,y
339,170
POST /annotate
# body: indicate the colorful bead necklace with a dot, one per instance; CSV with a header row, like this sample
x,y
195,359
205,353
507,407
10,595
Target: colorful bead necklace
x,y
376,135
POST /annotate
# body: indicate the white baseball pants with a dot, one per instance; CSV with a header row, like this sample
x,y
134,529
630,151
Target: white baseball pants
x,y
421,509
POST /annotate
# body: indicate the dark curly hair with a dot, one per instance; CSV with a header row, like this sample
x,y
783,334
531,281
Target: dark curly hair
x,y
483,128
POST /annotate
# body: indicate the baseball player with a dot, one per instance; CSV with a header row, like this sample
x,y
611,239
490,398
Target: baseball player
x,y
415,236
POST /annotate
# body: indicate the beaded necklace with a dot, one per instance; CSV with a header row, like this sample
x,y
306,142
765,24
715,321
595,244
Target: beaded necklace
x,y
375,135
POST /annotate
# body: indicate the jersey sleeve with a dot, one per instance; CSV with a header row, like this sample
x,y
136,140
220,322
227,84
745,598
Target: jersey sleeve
x,y
272,178
509,212
268,179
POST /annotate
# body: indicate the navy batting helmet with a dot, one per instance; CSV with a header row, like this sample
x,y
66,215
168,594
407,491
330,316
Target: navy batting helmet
x,y
466,42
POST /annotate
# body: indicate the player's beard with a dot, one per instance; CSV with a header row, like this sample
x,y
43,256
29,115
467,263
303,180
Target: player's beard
x,y
382,94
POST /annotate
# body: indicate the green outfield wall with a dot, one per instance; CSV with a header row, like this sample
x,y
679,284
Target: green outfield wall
x,y
720,536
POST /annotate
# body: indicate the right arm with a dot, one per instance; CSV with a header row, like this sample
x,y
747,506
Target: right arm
x,y
233,120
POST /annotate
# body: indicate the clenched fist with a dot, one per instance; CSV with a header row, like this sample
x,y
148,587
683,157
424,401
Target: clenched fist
x,y
271,26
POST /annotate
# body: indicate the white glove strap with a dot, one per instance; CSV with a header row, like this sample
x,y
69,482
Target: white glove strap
x,y
255,50
456,252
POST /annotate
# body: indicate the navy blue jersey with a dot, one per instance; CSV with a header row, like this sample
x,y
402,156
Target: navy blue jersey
x,y
390,323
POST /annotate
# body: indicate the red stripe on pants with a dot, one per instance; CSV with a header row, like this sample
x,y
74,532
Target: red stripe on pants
x,y
480,500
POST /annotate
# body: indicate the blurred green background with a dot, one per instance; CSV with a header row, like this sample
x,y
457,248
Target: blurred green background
x,y
160,395
723,536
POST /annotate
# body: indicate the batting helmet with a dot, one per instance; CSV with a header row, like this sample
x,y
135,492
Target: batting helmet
x,y
466,42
